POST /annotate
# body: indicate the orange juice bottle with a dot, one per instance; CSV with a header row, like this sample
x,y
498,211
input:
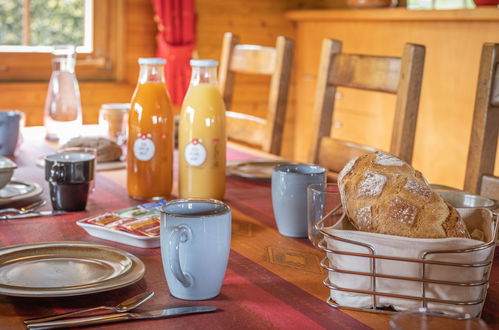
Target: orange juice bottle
x,y
150,135
202,141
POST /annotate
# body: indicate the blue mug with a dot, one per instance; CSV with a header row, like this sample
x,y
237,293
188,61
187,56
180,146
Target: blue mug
x,y
289,196
195,245
10,123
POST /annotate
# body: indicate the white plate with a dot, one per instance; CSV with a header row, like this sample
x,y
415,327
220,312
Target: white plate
x,y
102,166
260,169
55,269
119,236
18,190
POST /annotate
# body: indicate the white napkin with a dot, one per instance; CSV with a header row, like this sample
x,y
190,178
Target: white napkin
x,y
396,246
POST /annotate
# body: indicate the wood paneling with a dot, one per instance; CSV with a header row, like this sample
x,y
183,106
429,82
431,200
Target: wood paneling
x,y
255,22
453,41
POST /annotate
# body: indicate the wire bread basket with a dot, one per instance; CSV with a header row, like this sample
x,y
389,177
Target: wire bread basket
x,y
385,274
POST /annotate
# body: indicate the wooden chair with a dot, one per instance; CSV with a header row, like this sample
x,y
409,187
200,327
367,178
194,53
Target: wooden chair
x,y
479,177
401,76
274,61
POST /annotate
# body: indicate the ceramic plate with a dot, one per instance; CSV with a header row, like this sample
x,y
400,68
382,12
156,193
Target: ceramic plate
x,y
260,169
18,190
105,166
55,269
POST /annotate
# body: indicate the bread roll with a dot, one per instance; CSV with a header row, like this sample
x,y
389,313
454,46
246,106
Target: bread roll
x,y
107,150
383,194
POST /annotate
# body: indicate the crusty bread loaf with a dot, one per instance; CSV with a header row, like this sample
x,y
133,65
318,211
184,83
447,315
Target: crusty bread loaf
x,y
383,194
107,150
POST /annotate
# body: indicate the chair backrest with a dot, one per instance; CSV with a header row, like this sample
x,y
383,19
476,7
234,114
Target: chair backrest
x,y
479,178
253,59
401,76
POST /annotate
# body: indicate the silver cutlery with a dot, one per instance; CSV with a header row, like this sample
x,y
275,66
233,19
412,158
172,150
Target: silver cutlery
x,y
32,214
124,306
119,317
25,209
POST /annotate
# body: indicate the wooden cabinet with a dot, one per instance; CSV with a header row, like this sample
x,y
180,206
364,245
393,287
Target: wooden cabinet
x,y
453,41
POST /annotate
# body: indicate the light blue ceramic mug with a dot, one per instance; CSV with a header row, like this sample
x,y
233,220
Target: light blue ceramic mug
x,y
195,246
289,196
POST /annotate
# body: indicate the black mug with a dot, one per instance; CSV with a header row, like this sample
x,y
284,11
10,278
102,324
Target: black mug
x,y
69,176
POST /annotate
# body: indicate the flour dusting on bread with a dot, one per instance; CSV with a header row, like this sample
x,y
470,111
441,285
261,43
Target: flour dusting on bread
x,y
402,211
417,189
372,184
388,160
364,218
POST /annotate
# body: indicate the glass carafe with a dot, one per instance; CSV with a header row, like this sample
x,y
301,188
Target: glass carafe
x,y
62,118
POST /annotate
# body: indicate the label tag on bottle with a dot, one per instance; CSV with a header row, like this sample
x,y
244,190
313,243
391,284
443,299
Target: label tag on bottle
x,y
195,153
143,147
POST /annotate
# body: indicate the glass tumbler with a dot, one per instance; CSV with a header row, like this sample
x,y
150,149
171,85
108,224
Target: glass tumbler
x,y
321,199
113,121
84,150
423,318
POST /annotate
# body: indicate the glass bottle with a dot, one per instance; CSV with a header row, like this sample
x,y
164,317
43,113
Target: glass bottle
x,y
150,134
62,116
202,140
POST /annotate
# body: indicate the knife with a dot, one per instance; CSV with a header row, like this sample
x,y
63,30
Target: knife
x,y
119,317
32,214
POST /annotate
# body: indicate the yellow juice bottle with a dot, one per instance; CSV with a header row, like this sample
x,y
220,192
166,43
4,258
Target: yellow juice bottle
x,y
202,140
150,135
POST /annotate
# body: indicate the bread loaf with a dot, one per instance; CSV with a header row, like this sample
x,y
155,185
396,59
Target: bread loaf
x,y
383,194
107,150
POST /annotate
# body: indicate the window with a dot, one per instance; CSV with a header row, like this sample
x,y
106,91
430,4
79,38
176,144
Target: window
x,y
29,29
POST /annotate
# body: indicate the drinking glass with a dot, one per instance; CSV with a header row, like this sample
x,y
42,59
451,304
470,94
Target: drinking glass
x,y
85,150
423,318
113,121
321,199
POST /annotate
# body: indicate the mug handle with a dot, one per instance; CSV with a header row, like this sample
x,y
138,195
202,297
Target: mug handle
x,y
180,234
57,172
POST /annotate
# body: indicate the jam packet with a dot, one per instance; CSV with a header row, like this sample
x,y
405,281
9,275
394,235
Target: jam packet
x,y
141,220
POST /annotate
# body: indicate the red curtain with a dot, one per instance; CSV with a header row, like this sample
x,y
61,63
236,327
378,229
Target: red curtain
x,y
176,42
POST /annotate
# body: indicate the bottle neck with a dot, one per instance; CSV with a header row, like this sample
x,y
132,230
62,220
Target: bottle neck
x,y
66,64
151,73
204,75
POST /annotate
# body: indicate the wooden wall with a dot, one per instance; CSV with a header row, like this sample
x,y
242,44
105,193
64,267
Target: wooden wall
x,y
453,41
255,22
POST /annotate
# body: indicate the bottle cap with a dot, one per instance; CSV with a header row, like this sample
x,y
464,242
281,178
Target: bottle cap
x,y
204,63
151,60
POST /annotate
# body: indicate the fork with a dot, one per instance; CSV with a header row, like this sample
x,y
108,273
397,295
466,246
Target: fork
x,y
25,209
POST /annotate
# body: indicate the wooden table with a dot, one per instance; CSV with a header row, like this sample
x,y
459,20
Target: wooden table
x,y
271,282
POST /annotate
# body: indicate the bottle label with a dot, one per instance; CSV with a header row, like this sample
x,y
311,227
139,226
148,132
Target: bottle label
x,y
195,153
143,147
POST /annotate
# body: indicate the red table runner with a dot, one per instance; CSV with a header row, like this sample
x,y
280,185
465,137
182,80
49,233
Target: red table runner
x,y
254,295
